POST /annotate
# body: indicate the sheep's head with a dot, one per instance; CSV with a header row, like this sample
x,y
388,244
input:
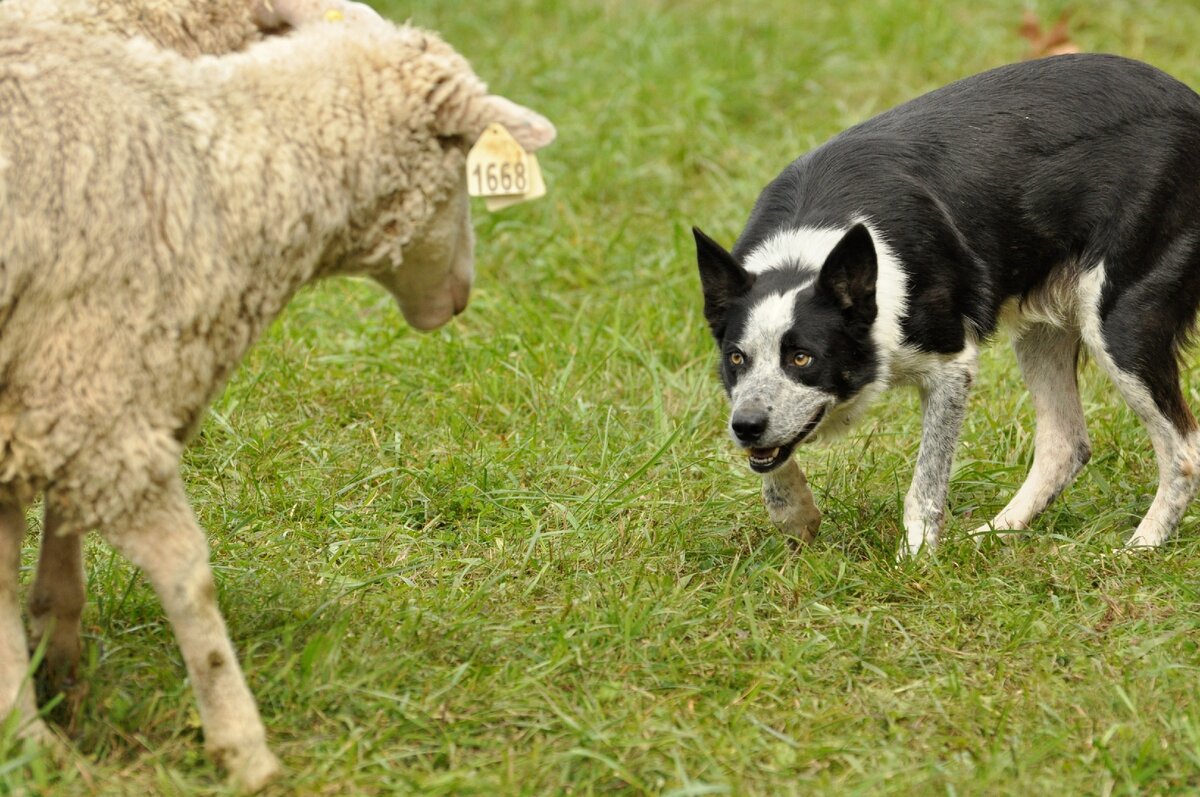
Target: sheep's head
x,y
421,241
431,276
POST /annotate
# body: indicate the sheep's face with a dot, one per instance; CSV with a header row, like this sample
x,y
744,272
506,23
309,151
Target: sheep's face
x,y
433,280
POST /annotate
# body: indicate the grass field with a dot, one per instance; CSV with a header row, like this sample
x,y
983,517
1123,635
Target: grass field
x,y
519,556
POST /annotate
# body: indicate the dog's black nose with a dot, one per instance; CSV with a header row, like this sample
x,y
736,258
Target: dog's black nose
x,y
748,425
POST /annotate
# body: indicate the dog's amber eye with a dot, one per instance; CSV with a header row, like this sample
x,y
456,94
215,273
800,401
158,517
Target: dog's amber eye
x,y
801,360
737,358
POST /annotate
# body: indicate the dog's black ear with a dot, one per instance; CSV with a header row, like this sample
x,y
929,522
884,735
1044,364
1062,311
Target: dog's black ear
x,y
723,280
849,274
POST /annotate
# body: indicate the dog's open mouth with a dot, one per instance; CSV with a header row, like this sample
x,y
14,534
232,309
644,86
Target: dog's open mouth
x,y
765,460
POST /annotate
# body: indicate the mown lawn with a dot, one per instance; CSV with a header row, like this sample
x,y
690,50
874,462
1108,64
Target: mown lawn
x,y
519,556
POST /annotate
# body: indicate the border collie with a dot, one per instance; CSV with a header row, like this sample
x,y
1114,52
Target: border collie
x,y
1059,197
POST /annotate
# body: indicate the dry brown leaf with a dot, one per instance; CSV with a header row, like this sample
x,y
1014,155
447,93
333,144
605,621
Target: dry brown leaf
x,y
1043,42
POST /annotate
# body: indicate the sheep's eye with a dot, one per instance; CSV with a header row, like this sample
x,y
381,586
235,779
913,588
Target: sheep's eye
x,y
737,358
801,360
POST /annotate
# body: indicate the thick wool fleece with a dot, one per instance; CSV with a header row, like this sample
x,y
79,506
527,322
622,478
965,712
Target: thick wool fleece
x,y
156,213
190,28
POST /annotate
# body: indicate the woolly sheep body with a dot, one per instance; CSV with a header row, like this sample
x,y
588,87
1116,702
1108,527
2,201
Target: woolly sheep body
x,y
189,28
155,214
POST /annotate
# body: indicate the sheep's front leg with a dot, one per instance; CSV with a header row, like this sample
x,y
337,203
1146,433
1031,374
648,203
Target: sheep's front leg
x,y
56,603
169,546
16,692
789,502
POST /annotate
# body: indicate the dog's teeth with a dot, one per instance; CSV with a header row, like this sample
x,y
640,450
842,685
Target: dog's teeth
x,y
763,454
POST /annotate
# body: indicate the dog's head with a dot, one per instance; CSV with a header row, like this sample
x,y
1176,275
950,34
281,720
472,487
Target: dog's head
x,y
795,341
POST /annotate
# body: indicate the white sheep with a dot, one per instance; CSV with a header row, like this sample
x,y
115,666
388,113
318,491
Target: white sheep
x,y
189,27
156,213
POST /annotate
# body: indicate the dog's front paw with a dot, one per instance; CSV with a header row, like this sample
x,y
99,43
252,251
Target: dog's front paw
x,y
790,504
911,549
798,522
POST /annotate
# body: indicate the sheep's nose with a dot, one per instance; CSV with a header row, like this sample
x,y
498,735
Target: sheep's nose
x,y
462,294
749,424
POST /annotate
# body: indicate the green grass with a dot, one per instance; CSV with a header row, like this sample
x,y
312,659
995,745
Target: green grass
x,y
518,555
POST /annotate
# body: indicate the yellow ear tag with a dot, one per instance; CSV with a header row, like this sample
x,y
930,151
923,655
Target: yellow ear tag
x,y
500,170
333,15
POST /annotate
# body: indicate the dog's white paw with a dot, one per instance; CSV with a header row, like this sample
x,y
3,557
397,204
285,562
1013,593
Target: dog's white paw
x,y
1001,529
1134,547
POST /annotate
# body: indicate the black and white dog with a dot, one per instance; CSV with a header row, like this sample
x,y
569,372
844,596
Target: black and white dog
x,y
1059,197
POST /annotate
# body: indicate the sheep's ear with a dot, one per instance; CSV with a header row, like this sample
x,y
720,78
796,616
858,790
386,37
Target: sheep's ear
x,y
469,120
529,127
275,14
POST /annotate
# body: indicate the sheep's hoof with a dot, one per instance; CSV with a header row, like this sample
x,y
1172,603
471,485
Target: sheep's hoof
x,y
53,679
250,768
38,732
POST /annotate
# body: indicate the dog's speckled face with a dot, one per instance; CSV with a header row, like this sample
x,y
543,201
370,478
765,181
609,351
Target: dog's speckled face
x,y
795,343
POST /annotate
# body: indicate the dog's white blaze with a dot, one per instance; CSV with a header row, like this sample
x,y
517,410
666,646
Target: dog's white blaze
x,y
808,247
767,323
765,327
791,405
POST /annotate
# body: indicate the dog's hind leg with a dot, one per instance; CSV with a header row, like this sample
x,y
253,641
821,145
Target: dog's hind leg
x,y
1140,359
1048,357
789,502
